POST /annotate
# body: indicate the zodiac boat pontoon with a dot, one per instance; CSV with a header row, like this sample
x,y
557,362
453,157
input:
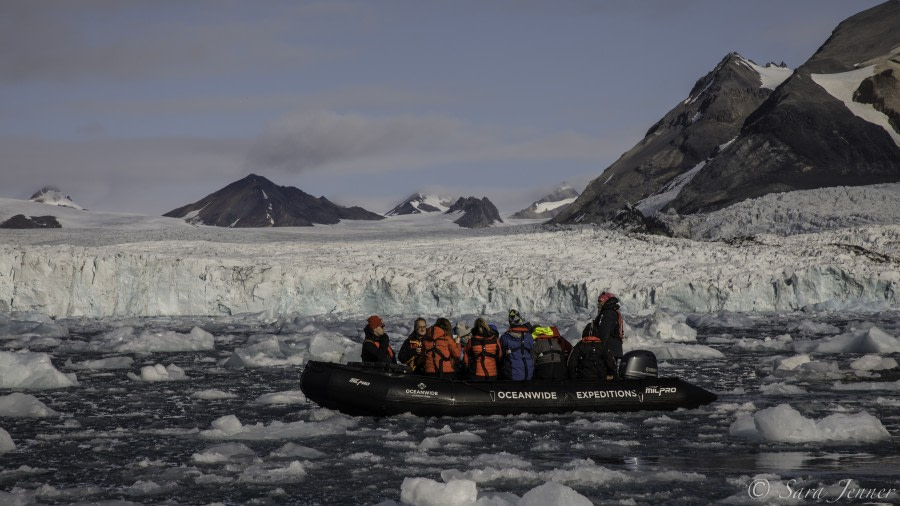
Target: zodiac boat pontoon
x,y
372,389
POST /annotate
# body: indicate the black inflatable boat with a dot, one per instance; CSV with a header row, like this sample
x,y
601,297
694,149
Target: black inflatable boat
x,y
368,389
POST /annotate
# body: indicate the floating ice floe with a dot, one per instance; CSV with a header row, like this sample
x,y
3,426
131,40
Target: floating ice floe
x,y
293,349
224,452
785,424
782,342
869,340
6,442
103,363
873,363
803,367
213,395
292,451
866,386
125,340
29,323
278,398
666,336
464,437
781,389
722,319
20,405
325,423
32,371
267,473
427,492
157,372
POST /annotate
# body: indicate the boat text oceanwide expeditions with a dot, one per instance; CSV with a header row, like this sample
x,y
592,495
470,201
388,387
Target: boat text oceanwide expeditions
x,y
368,389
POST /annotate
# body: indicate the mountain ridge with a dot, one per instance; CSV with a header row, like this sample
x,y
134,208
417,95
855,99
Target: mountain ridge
x,y
254,201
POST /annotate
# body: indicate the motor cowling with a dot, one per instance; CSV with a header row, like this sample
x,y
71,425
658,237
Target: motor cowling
x,y
638,364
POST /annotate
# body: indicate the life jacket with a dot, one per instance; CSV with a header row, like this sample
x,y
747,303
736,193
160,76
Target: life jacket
x,y
591,361
518,364
438,352
547,347
414,348
483,355
374,340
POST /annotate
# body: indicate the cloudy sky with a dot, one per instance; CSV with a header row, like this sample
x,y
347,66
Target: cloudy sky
x,y
144,106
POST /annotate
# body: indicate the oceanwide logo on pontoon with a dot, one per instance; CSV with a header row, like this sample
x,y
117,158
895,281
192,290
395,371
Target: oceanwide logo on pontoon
x,y
422,391
357,381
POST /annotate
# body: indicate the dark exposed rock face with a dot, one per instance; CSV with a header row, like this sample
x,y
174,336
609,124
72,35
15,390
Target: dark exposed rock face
x,y
883,92
804,138
534,211
477,213
257,202
21,221
415,204
687,135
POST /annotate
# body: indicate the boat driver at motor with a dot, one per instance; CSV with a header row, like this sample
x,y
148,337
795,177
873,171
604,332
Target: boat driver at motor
x,y
377,346
608,324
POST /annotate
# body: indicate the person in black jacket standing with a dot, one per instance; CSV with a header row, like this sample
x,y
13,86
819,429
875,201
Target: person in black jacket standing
x,y
377,346
608,324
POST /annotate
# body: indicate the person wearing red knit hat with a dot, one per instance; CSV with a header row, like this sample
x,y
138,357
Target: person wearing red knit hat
x,y
377,345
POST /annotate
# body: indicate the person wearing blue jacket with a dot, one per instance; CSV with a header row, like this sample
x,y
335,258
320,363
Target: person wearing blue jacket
x,y
517,341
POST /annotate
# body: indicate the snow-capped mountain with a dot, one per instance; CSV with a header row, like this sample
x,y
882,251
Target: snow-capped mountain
x,y
834,122
687,135
418,203
549,205
254,201
53,196
745,131
476,213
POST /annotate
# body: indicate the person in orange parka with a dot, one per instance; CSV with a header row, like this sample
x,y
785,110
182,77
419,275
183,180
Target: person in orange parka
x,y
483,353
440,352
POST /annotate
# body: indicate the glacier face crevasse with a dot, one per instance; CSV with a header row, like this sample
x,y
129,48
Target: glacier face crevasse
x,y
535,270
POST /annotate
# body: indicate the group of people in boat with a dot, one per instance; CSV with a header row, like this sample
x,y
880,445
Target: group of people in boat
x,y
522,352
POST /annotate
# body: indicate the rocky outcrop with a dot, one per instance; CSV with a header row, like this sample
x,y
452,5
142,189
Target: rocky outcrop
x,y
476,213
21,221
254,201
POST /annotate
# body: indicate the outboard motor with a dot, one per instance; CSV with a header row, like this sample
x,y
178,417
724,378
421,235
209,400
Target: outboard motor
x,y
638,364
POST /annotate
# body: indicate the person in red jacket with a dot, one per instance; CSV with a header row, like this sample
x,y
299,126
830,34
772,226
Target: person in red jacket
x,y
440,353
377,345
483,352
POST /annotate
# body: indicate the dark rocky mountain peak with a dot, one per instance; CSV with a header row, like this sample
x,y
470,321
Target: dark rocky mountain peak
x,y
254,201
694,130
418,203
476,213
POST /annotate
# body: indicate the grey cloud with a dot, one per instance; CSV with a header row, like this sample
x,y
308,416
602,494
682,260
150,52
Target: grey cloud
x,y
351,142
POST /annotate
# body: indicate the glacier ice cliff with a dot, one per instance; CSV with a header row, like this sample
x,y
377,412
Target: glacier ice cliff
x,y
533,269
